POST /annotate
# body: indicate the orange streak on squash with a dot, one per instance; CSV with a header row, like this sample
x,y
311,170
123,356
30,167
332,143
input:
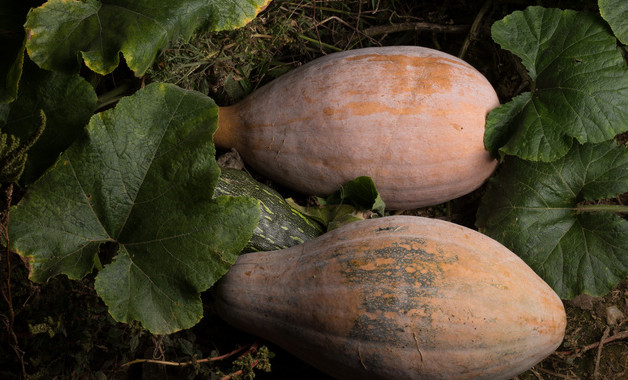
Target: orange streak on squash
x,y
366,108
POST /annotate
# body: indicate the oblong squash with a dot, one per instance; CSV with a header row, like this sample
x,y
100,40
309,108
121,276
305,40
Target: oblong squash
x,y
399,297
411,118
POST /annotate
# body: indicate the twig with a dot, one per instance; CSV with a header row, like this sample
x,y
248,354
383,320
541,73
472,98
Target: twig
x,y
556,374
238,372
538,375
7,294
250,348
414,26
579,351
5,222
252,364
356,29
343,22
596,371
474,28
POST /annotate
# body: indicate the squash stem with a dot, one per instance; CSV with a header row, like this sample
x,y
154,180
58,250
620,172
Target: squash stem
x,y
112,96
622,209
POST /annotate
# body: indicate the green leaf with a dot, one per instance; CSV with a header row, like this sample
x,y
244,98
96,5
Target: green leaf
x,y
579,84
541,212
345,214
361,193
68,102
13,153
615,12
5,109
141,178
12,40
63,32
319,212
357,200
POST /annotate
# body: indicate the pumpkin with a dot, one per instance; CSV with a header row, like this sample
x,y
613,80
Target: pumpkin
x,y
398,297
411,118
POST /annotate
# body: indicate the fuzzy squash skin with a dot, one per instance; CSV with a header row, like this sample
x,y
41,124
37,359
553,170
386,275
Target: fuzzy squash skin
x,y
411,118
398,297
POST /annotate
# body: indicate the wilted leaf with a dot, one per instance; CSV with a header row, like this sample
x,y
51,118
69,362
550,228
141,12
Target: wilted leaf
x,y
97,31
615,12
538,211
68,102
140,179
580,84
357,200
361,193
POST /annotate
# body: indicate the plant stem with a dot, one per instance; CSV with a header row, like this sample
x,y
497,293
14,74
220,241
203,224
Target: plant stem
x,y
319,8
112,96
322,44
252,347
582,350
414,26
622,209
7,295
474,28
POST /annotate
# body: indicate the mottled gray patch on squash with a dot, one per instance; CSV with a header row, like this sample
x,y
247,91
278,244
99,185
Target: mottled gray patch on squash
x,y
401,280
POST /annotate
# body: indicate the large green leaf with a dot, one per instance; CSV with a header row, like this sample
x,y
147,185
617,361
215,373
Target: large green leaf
x,y
541,212
12,40
140,179
68,102
580,84
615,12
62,32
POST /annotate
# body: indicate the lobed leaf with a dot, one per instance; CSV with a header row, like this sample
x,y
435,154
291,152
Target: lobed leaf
x,y
140,178
615,12
580,84
65,32
536,210
68,102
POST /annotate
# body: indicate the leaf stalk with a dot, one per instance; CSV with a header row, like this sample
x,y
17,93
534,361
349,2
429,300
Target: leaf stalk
x,y
622,209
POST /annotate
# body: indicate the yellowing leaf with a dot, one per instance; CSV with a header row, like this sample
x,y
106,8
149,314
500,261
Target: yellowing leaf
x,y
97,31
